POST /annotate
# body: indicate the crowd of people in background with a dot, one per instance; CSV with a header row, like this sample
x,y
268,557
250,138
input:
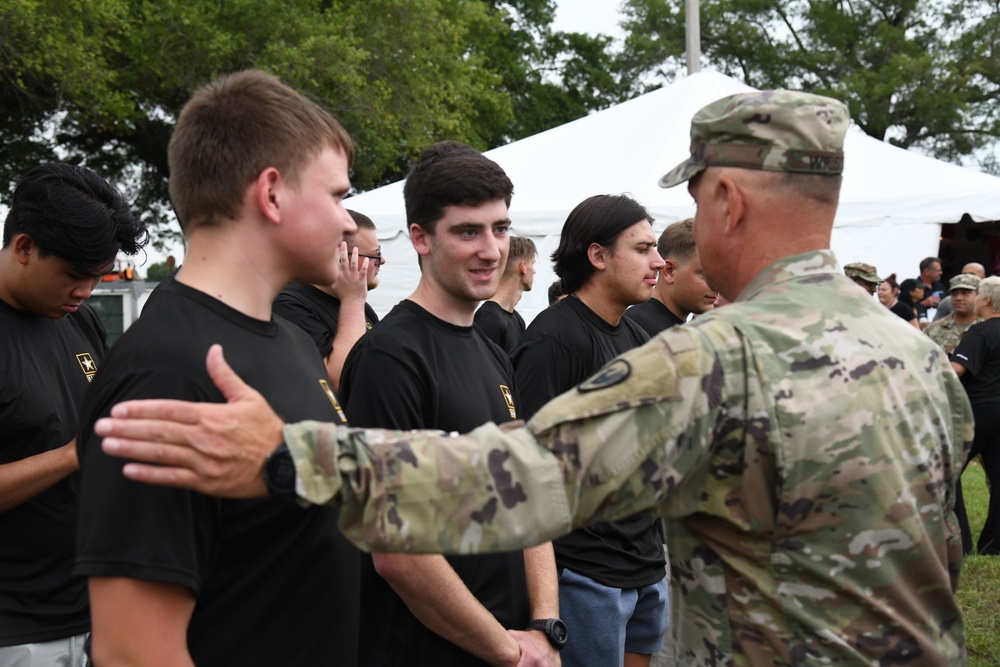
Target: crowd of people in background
x,y
94,566
960,324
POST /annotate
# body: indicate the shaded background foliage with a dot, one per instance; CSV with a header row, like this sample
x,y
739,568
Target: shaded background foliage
x,y
916,73
99,82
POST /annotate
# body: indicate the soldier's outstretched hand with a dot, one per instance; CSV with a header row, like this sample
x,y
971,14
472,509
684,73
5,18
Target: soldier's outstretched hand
x,y
215,448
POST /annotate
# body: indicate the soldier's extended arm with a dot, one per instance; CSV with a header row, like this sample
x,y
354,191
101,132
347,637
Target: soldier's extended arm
x,y
615,446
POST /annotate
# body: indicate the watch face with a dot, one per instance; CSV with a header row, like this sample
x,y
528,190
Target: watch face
x,y
279,474
559,631
283,472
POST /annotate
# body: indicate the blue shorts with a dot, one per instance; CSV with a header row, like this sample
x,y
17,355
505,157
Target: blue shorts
x,y
604,622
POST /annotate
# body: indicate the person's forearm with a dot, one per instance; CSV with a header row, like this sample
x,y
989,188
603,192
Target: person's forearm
x,y
350,329
439,599
543,583
583,459
22,480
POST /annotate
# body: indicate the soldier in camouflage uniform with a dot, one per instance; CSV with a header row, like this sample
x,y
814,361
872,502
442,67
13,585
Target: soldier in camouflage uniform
x,y
802,444
948,331
864,275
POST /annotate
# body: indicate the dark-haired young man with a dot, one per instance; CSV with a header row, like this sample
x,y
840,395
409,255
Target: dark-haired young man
x,y
680,289
258,174
612,585
427,366
337,316
65,227
496,317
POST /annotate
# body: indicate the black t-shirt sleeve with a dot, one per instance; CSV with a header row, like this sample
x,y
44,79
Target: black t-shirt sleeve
x,y
372,376
904,311
972,350
141,531
543,369
303,317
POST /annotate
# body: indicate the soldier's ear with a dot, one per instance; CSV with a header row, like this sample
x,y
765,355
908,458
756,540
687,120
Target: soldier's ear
x,y
734,203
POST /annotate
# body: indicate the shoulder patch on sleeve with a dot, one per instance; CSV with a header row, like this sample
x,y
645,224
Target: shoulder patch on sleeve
x,y
616,371
660,371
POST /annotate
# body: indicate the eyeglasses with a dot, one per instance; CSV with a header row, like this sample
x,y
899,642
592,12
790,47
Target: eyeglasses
x,y
377,257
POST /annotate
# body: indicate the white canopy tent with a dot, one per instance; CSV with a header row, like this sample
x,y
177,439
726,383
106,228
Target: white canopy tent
x,y
892,205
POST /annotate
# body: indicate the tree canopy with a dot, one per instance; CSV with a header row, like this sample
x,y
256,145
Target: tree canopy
x,y
914,73
100,82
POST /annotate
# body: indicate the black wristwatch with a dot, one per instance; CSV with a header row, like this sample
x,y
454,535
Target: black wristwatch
x,y
279,473
554,629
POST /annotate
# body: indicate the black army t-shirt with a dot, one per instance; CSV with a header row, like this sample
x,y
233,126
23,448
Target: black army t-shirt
x,y
412,371
315,312
979,352
46,365
276,584
564,345
653,316
502,327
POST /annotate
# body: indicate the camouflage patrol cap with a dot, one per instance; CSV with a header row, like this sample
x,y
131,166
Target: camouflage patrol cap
x,y
964,281
773,130
863,271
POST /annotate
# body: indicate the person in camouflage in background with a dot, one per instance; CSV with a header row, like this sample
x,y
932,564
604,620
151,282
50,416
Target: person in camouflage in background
x,y
864,275
948,331
802,444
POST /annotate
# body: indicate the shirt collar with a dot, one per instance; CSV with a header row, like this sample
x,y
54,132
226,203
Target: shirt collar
x,y
794,267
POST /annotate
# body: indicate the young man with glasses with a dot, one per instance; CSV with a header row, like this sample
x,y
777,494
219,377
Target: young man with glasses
x,y
336,316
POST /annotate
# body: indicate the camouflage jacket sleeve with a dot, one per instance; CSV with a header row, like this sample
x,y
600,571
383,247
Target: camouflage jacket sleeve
x,y
614,446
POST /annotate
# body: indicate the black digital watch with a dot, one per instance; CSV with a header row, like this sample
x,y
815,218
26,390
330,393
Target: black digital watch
x,y
279,473
554,629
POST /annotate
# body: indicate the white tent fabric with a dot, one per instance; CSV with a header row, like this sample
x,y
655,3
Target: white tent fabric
x,y
893,201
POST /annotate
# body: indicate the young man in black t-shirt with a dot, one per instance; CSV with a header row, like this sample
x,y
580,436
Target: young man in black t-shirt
x,y
496,317
427,366
337,316
612,577
257,178
65,227
680,289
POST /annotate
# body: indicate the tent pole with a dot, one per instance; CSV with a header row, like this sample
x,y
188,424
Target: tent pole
x,y
693,36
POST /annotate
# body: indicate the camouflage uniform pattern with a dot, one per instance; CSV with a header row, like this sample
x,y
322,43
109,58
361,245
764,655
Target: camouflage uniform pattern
x,y
865,272
947,333
802,444
774,130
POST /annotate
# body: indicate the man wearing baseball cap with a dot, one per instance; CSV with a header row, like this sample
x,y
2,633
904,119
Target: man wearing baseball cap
x,y
864,275
801,445
948,331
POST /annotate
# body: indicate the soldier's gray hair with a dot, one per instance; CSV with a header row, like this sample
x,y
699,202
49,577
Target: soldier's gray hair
x,y
990,288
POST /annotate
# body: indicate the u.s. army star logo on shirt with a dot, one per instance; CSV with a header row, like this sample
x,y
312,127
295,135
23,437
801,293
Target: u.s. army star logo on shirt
x,y
87,364
509,398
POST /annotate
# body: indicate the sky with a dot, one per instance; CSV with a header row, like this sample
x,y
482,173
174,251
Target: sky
x,y
588,16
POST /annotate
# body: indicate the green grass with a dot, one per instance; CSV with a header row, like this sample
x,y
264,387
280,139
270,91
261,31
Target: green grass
x,y
979,586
